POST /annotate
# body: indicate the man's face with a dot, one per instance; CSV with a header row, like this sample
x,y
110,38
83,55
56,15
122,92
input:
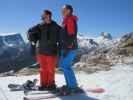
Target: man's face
x,y
65,12
46,18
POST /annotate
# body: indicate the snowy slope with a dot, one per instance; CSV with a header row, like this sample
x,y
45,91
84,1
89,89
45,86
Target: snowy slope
x,y
117,82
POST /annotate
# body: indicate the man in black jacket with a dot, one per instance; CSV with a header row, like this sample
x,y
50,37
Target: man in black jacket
x,y
45,36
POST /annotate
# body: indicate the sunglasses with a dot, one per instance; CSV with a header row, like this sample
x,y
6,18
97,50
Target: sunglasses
x,y
43,18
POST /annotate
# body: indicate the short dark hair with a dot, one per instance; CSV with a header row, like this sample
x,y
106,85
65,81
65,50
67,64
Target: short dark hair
x,y
69,7
48,12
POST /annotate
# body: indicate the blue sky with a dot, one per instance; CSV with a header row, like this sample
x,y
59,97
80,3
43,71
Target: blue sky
x,y
95,16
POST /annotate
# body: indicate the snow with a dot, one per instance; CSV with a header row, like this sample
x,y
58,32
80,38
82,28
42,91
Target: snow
x,y
6,34
84,41
118,83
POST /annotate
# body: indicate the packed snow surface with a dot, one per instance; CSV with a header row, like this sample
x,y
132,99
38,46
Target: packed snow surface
x,y
117,82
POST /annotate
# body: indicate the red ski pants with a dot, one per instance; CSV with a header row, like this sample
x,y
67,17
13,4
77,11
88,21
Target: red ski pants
x,y
47,69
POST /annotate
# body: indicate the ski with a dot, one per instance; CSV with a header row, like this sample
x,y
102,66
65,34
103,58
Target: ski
x,y
35,92
28,85
40,95
15,87
46,96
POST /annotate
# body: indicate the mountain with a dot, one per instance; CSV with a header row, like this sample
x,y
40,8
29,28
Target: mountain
x,y
102,52
94,53
87,43
14,53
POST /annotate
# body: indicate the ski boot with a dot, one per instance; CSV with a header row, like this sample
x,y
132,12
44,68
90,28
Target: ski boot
x,y
47,88
65,90
30,85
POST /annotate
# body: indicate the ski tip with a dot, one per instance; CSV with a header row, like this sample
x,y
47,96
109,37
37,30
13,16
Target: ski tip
x,y
98,90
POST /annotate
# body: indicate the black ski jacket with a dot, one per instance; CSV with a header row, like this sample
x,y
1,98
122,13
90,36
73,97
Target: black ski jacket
x,y
46,38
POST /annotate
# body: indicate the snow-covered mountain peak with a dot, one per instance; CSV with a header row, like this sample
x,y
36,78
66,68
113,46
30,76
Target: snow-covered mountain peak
x,y
7,34
86,41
